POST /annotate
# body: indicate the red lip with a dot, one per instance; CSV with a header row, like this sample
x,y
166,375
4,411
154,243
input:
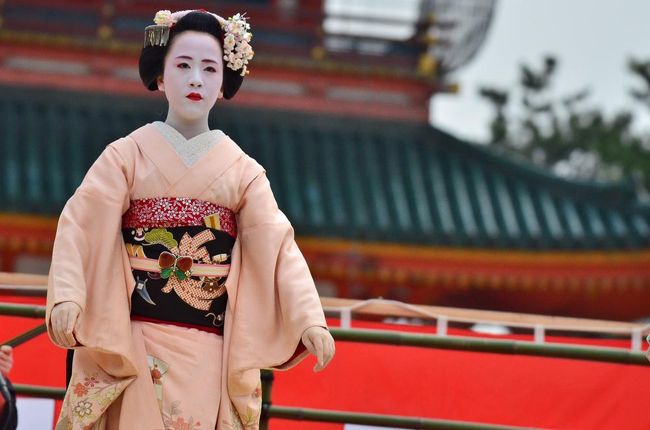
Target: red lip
x,y
194,96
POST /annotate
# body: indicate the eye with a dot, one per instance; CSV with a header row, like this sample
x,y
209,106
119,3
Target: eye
x,y
183,66
211,69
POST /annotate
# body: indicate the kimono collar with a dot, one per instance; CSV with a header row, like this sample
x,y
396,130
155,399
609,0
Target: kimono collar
x,y
189,150
183,180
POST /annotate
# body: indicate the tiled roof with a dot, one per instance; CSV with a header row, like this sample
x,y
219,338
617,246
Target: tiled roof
x,y
334,177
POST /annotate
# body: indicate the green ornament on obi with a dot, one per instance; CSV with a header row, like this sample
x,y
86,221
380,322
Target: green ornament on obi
x,y
170,264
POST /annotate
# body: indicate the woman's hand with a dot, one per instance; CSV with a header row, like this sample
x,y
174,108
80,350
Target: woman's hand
x,y
6,359
319,342
64,317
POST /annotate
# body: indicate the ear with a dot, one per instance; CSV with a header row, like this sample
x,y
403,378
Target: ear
x,y
161,84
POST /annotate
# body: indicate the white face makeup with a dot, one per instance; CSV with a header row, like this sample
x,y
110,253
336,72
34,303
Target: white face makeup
x,y
193,75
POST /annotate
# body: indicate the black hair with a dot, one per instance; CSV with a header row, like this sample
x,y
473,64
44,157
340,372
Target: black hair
x,y
152,58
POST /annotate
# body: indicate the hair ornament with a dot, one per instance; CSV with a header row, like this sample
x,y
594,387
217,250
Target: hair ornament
x,y
237,51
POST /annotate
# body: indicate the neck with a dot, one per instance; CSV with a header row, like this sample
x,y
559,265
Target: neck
x,y
188,129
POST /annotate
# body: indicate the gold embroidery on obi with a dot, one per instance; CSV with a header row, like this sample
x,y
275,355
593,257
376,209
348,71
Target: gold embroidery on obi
x,y
197,293
213,221
135,250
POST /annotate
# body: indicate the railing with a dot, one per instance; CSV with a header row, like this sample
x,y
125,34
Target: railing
x,y
439,341
269,411
441,317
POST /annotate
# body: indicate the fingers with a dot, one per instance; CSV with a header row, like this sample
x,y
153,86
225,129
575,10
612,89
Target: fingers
x,y
309,345
6,359
63,321
58,326
318,345
328,351
4,368
319,342
331,350
71,318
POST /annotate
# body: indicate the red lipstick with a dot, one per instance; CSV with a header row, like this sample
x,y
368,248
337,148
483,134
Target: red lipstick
x,y
194,96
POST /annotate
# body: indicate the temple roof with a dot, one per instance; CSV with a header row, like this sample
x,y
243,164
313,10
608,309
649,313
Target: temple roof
x,y
337,177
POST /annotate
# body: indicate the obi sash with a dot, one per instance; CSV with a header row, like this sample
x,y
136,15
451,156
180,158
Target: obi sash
x,y
179,250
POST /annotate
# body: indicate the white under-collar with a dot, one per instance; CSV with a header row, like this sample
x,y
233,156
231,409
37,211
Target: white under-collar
x,y
189,150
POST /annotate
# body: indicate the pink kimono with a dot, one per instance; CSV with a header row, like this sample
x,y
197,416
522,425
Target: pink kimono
x,y
132,370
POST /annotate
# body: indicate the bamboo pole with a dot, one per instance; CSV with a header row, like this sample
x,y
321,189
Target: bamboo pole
x,y
303,414
609,355
28,311
267,378
24,337
39,391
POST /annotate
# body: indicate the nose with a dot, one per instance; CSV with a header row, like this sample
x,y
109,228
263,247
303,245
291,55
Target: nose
x,y
195,79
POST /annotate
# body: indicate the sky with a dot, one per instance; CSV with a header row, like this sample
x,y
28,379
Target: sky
x,y
592,40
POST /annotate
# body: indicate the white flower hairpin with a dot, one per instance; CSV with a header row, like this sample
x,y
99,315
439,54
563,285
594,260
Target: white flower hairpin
x,y
236,44
163,17
237,50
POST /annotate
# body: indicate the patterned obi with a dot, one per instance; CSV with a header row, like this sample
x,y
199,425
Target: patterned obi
x,y
179,249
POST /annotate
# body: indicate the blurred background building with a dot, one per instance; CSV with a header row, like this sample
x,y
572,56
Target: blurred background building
x,y
337,109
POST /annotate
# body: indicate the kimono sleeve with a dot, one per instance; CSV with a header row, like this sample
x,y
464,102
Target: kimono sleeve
x,y
277,298
87,257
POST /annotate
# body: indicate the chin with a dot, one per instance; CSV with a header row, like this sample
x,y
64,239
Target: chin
x,y
195,118
192,116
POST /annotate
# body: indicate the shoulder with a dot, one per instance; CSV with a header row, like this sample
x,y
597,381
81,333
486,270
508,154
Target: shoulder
x,y
129,142
146,131
123,152
249,167
123,145
127,147
253,168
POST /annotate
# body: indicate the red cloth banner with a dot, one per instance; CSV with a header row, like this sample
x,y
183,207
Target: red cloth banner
x,y
455,385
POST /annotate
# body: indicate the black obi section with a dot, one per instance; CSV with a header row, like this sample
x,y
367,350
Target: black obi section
x,y
161,296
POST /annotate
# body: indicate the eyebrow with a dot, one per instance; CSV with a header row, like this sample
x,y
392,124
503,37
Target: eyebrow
x,y
205,60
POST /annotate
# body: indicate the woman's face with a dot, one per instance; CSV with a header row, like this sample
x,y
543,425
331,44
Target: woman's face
x,y
193,75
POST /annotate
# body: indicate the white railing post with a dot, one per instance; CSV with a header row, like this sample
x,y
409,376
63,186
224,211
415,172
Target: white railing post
x,y
346,318
441,325
636,339
539,333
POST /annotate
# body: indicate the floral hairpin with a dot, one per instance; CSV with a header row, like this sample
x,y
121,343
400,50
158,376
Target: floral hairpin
x,y
236,43
237,50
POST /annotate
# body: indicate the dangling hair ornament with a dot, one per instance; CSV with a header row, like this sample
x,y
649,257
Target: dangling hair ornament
x,y
237,50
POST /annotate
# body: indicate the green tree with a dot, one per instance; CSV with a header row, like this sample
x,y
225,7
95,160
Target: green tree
x,y
565,133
